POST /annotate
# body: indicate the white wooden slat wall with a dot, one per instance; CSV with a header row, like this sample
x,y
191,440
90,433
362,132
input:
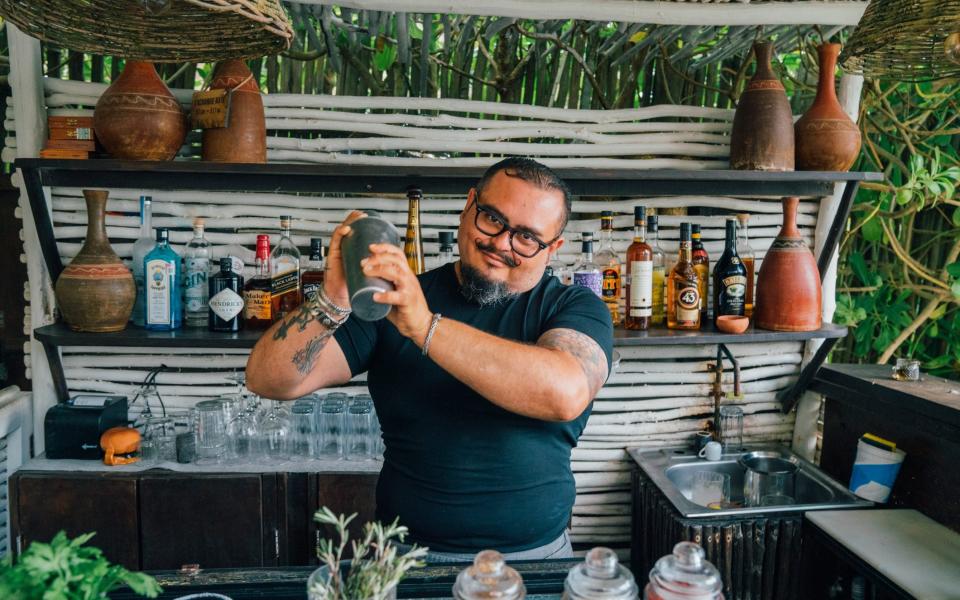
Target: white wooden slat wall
x,y
659,396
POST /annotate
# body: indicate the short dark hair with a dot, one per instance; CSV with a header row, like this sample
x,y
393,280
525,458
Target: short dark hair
x,y
533,172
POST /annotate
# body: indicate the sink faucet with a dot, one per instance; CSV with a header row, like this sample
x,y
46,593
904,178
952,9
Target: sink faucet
x,y
717,393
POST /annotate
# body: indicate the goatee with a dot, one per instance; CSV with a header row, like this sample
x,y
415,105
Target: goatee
x,y
475,287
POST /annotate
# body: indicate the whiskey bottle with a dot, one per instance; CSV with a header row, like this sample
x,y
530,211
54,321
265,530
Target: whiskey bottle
x,y
659,272
747,257
446,248
312,277
683,287
161,268
285,273
225,306
196,269
141,247
608,261
701,262
412,242
729,278
586,273
257,304
640,275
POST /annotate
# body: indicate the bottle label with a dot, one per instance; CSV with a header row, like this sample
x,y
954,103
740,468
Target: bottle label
x,y
195,284
592,280
688,304
226,304
659,312
158,290
285,283
610,285
733,294
311,288
256,305
641,288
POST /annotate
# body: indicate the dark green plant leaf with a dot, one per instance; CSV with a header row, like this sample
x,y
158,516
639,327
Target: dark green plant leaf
x,y
953,269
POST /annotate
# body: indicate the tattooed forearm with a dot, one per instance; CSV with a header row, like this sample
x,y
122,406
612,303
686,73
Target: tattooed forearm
x,y
300,319
583,348
306,357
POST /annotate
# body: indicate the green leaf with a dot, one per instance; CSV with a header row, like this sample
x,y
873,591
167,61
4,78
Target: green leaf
x,y
384,58
956,217
938,312
955,288
953,269
872,230
904,196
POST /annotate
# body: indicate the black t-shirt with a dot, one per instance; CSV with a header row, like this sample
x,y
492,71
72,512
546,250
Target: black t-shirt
x,y
462,473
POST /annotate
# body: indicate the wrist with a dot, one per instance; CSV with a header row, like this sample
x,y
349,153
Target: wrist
x,y
419,335
340,303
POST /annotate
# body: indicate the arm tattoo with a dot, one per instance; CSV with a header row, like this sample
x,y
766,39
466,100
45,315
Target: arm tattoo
x,y
582,347
301,318
306,357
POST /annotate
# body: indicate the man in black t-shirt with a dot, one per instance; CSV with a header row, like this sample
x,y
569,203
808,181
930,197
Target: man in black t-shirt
x,y
483,373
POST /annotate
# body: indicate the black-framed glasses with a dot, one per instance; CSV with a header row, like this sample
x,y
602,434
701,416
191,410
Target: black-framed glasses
x,y
522,242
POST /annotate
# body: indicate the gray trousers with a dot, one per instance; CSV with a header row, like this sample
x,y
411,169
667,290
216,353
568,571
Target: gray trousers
x,y
558,548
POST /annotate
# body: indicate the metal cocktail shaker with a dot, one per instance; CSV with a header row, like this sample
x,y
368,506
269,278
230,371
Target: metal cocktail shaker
x,y
354,248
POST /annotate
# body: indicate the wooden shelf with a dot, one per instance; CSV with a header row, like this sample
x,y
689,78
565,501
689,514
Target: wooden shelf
x,y
661,336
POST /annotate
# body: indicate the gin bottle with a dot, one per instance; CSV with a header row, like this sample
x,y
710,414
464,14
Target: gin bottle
x,y
161,269
586,272
141,247
196,267
226,303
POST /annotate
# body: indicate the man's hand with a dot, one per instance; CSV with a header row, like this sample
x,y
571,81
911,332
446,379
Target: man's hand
x,y
334,281
410,313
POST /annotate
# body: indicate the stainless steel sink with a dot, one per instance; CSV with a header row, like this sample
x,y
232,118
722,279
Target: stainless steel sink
x,y
673,470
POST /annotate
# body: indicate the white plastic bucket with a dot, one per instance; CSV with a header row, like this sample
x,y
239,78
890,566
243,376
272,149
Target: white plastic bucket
x,y
874,471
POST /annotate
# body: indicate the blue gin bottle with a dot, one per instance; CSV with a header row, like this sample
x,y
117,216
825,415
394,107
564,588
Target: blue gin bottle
x,y
162,301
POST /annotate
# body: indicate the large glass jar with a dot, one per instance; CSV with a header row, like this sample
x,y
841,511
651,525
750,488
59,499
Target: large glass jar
x,y
684,575
600,577
489,578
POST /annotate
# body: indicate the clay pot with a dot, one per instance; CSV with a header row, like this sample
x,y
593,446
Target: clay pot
x,y
788,296
137,118
827,140
245,139
95,292
762,136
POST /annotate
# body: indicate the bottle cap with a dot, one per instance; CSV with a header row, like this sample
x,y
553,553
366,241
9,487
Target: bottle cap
x,y
316,246
600,577
639,213
489,577
414,192
587,245
198,223
162,234
263,245
744,218
446,240
226,264
145,199
653,223
695,229
684,232
606,213
285,221
586,236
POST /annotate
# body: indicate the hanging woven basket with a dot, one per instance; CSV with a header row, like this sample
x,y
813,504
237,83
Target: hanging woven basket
x,y
174,31
905,40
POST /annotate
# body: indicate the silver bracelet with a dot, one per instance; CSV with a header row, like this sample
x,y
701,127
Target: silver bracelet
x,y
430,332
320,311
340,311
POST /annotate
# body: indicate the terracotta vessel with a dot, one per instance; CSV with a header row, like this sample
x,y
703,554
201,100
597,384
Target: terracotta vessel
x,y
762,136
137,118
245,139
788,296
827,140
95,292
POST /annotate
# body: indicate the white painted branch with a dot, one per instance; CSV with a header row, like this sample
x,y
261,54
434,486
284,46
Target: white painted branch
x,y
600,499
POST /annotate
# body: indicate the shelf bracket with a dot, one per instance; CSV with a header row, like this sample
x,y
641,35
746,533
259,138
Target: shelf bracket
x,y
788,397
56,371
837,227
41,220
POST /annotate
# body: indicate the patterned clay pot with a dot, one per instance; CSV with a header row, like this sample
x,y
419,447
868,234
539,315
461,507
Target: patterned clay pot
x,y
788,295
137,118
762,136
95,292
827,140
245,139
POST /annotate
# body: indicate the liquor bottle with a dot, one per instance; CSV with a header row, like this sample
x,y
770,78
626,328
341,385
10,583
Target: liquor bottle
x,y
446,248
586,273
141,247
560,269
285,273
412,242
257,304
639,274
729,278
226,302
312,277
747,256
683,287
609,263
701,262
659,272
161,268
196,268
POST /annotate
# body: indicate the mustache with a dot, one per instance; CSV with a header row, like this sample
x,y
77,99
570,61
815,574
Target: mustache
x,y
506,258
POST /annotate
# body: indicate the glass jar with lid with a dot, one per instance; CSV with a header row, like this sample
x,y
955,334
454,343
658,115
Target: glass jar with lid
x,y
684,575
600,577
489,578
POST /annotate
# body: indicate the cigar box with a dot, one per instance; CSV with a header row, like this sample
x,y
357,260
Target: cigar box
x,y
70,133
64,153
67,122
83,145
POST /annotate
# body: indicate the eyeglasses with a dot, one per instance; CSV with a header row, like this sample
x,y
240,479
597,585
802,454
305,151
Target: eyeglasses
x,y
522,242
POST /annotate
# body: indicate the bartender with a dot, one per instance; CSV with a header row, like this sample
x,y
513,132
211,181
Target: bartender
x,y
482,374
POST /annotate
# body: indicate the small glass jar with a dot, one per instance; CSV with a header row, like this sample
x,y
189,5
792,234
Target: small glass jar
x,y
489,578
600,577
906,369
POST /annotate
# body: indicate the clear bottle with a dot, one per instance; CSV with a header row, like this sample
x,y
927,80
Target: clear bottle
x,y
226,302
161,268
659,272
560,269
684,574
141,247
747,256
600,576
285,273
412,241
257,304
586,272
729,278
446,248
683,287
196,269
312,277
639,275
701,262
489,577
610,268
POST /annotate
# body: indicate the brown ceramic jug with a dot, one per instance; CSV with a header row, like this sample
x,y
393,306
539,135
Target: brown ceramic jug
x,y
762,136
137,118
95,292
788,295
827,140
245,138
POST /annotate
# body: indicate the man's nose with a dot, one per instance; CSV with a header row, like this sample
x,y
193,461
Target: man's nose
x,y
501,241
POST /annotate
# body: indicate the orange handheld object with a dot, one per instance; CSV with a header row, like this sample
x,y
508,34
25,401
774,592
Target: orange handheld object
x,y
120,444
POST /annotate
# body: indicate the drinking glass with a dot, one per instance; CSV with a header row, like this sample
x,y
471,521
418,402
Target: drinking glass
x,y
186,445
275,433
731,428
211,423
302,430
159,440
232,406
247,444
332,426
360,428
710,489
906,369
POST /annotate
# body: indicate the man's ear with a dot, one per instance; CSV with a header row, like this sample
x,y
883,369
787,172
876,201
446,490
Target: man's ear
x,y
471,196
556,245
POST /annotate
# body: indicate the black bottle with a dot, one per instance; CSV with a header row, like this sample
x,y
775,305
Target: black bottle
x,y
729,278
226,299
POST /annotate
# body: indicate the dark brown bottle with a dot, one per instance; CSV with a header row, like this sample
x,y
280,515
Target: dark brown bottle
x,y
639,275
701,262
257,300
412,242
683,288
729,278
312,277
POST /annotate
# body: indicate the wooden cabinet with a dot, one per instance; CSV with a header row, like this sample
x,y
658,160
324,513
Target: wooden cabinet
x,y
160,520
